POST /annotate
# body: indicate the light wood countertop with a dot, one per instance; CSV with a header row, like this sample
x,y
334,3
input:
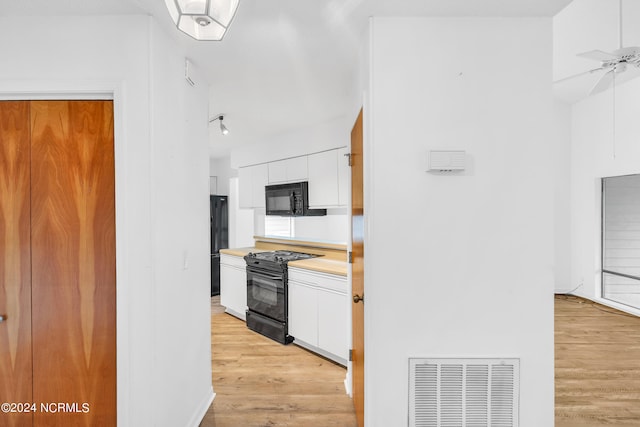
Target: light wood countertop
x,y
304,243
322,265
333,259
240,251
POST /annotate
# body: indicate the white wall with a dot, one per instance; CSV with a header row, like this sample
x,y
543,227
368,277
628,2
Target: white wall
x,y
465,267
122,55
241,221
598,151
561,174
182,388
221,169
330,228
297,142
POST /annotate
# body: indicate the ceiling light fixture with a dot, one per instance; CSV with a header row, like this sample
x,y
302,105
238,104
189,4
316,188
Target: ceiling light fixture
x,y
203,19
223,128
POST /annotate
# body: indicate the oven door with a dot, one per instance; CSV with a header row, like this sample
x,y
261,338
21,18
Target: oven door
x,y
265,293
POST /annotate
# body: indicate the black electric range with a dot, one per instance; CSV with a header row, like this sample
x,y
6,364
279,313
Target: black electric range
x,y
275,260
267,292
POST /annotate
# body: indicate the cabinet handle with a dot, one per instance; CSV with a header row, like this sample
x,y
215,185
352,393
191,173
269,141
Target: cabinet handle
x,y
357,298
3,317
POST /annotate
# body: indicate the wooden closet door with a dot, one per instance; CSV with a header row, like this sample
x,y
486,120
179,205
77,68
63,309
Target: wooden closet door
x,y
73,262
15,261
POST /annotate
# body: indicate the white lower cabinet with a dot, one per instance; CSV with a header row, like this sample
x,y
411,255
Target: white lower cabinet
x,y
303,312
333,322
318,313
233,285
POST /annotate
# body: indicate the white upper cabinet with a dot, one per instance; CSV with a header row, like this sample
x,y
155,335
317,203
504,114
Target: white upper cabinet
x,y
252,180
297,169
288,170
277,172
329,179
344,177
323,179
245,192
327,173
259,180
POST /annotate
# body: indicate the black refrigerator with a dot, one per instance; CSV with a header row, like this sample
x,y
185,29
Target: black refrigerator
x,y
219,215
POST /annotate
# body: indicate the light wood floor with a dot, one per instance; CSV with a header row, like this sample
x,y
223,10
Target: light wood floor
x,y
597,365
260,383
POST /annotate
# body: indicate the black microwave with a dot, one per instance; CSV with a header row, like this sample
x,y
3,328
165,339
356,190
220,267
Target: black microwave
x,y
290,200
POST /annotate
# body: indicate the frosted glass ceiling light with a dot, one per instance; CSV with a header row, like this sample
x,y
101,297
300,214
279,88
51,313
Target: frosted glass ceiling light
x,y
223,128
203,19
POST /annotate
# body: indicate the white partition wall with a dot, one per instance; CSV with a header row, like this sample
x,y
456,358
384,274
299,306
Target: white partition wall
x,y
459,265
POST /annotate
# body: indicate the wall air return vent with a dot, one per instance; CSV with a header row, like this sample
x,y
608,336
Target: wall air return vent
x,y
463,392
446,160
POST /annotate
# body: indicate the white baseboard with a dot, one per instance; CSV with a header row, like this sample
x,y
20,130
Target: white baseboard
x,y
241,316
202,409
321,352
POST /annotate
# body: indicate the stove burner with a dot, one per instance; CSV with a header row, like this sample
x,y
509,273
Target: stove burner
x,y
281,257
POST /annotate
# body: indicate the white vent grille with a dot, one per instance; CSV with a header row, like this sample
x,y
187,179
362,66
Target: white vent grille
x,y
463,392
447,161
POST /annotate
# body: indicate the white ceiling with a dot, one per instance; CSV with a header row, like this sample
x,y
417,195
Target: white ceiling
x,y
587,25
283,63
68,7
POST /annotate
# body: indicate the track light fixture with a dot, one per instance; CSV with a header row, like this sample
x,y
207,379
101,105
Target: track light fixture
x,y
223,128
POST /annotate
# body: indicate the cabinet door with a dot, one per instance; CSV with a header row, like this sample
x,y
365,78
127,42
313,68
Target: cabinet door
x,y
245,187
297,169
288,170
277,172
226,285
303,313
259,179
344,177
233,289
333,322
323,179
252,180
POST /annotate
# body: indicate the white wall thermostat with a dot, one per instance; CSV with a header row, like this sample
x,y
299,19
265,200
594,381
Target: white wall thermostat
x,y
446,160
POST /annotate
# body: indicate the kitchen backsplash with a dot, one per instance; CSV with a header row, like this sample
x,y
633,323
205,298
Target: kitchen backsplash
x,y
333,227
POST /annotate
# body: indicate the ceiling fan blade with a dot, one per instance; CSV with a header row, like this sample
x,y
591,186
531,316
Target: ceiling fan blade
x,y
598,55
584,73
604,82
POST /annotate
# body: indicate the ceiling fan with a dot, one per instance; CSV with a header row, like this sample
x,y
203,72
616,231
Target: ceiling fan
x,y
612,63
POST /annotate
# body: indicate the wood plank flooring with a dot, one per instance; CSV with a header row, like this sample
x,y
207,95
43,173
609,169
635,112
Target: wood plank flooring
x,y
597,365
260,383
